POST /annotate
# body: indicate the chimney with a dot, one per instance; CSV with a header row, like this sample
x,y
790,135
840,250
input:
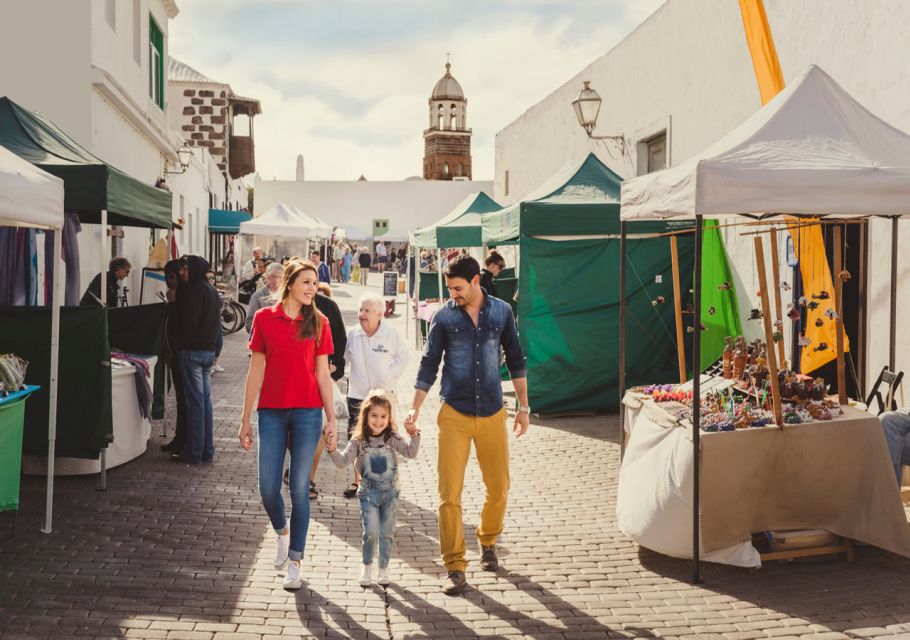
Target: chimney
x,y
300,168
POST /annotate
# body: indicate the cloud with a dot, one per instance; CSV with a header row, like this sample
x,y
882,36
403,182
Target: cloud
x,y
346,83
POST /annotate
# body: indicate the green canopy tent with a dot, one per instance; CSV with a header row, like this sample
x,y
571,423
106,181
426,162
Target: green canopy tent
x,y
461,227
98,193
92,187
567,233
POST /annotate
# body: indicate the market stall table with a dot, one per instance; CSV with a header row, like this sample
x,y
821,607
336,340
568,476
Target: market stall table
x,y
832,475
131,430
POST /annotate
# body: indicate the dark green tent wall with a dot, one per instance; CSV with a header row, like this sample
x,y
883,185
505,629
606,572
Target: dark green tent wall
x,y
84,420
568,319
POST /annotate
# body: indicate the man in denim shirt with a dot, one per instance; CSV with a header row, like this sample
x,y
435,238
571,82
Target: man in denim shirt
x,y
471,329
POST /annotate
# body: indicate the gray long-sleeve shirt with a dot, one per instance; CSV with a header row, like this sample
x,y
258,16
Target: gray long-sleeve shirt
x,y
354,451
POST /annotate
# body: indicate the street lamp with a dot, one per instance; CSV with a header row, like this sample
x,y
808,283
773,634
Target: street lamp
x,y
184,155
587,106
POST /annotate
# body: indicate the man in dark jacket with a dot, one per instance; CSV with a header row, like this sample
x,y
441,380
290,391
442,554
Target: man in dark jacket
x,y
364,261
198,314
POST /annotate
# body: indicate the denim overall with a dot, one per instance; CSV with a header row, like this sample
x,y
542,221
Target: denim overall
x,y
378,495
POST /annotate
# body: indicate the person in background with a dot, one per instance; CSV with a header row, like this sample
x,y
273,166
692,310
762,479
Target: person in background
x,y
172,278
250,268
117,270
199,322
493,266
337,256
265,296
364,261
896,425
219,342
322,269
376,357
289,372
382,256
249,286
346,260
328,308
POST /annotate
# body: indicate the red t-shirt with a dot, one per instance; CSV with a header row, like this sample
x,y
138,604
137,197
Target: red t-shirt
x,y
290,363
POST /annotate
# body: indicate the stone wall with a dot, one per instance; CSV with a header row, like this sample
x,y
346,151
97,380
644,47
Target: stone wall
x,y
440,149
204,118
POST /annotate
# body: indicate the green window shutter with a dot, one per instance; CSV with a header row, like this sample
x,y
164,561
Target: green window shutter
x,y
156,63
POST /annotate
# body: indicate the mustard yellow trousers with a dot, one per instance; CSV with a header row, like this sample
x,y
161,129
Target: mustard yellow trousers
x,y
491,442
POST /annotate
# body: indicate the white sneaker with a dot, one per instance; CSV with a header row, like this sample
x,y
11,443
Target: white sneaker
x,y
292,579
218,368
383,578
282,544
366,575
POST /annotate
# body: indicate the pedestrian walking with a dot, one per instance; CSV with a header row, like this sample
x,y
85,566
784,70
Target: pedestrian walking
x,y
374,452
289,371
364,261
470,330
346,260
376,356
322,269
264,297
198,313
382,256
172,279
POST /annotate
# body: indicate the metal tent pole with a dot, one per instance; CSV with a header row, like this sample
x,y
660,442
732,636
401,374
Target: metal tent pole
x,y
696,407
892,336
52,391
102,478
622,336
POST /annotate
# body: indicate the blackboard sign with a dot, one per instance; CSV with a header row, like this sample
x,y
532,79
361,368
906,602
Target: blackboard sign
x,y
390,284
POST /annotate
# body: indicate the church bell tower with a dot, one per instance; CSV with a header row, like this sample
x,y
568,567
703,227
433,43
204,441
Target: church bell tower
x,y
447,143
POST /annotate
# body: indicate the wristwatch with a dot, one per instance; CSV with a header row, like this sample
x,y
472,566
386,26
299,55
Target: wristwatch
x,y
523,409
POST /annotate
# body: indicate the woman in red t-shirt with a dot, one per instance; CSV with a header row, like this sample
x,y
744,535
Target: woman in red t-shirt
x,y
289,369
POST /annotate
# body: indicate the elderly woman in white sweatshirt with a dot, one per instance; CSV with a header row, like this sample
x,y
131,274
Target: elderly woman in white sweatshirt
x,y
375,357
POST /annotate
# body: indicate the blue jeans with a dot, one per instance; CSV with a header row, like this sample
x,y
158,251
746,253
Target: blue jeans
x,y
304,427
196,369
378,511
896,425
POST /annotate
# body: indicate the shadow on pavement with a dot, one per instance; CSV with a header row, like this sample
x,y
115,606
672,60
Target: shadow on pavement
x,y
813,589
573,622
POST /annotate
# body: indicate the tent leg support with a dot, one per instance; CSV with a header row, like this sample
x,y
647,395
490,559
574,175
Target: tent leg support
x,y
696,409
102,476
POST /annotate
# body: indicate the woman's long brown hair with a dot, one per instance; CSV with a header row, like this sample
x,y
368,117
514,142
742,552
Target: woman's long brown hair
x,y
310,325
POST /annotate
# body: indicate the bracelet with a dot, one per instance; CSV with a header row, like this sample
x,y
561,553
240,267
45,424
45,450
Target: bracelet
x,y
523,409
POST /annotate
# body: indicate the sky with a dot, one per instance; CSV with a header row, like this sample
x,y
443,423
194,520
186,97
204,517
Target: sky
x,y
345,83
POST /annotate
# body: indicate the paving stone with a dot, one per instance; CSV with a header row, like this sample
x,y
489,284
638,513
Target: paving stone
x,y
171,551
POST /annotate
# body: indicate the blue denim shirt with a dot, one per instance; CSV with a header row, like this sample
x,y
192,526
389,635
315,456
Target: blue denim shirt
x,y
470,373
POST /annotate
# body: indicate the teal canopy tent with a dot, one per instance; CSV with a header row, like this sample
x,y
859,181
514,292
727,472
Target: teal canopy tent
x,y
90,185
567,233
227,222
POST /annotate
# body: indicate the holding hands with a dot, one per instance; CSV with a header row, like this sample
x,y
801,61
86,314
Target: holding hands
x,y
331,441
410,421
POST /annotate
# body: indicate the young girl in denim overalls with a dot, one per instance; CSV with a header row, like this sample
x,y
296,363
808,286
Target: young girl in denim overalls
x,y
373,448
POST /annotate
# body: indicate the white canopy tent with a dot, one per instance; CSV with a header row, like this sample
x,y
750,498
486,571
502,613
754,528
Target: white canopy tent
x,y
30,197
281,220
812,150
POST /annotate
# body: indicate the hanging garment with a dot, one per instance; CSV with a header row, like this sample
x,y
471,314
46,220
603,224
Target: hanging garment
x,y
71,228
8,252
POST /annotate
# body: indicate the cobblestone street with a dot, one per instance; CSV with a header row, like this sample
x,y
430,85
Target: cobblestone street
x,y
177,552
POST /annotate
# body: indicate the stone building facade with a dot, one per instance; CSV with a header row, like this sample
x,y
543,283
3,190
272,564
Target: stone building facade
x,y
204,111
447,143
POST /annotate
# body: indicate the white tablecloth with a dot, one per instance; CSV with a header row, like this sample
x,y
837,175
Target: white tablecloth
x,y
131,430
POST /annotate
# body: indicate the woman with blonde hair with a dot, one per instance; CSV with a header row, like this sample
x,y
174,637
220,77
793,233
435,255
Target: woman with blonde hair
x,y
289,369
